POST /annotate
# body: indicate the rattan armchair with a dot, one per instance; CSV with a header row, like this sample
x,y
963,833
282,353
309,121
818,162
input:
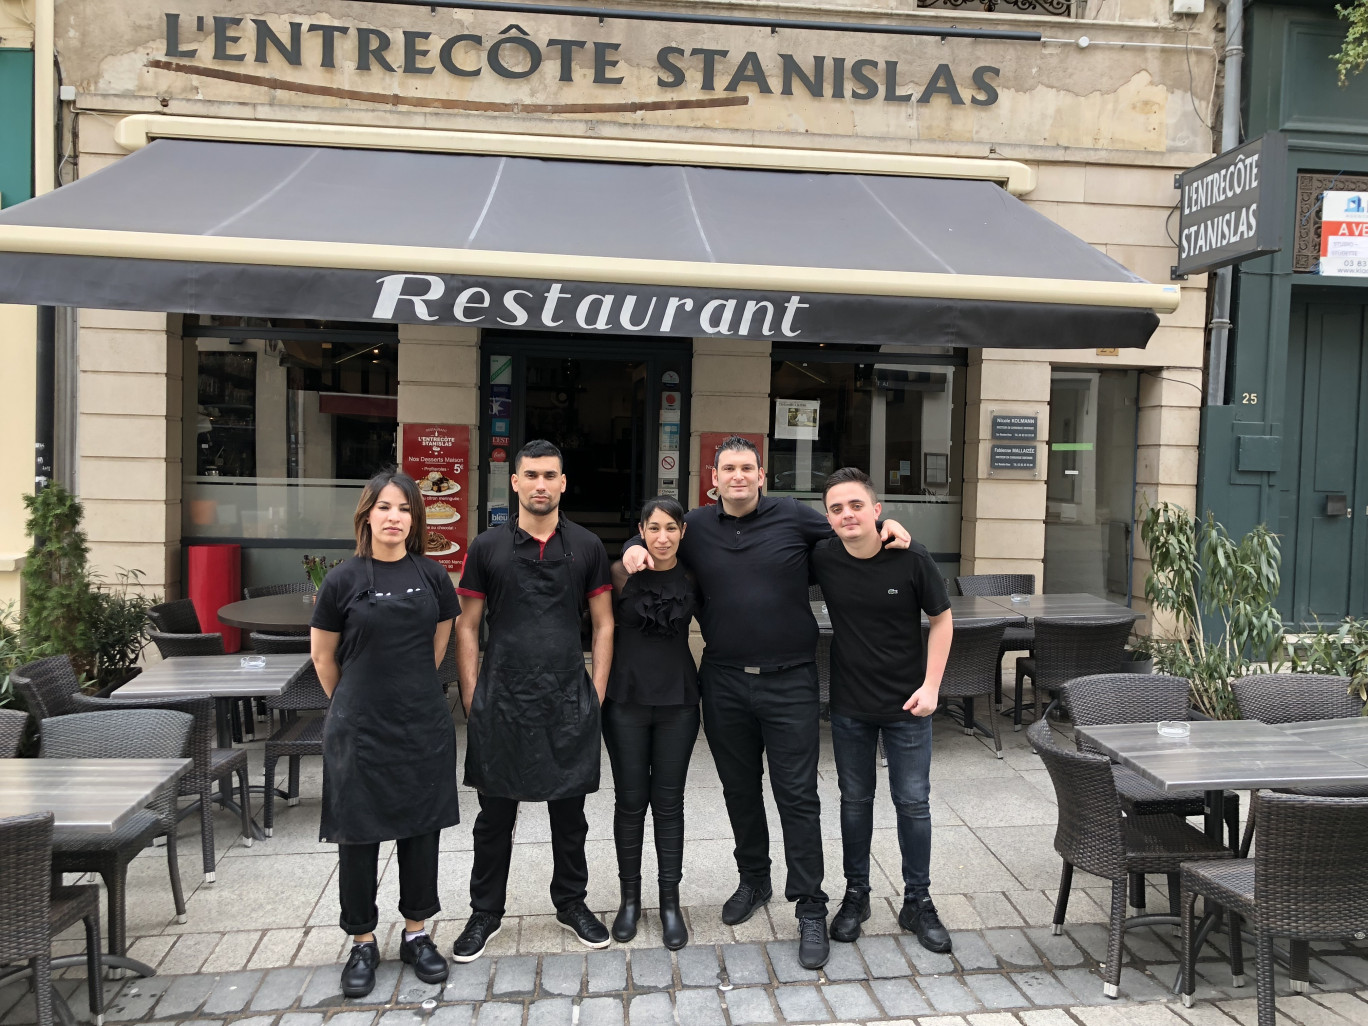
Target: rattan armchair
x,y
1069,647
267,590
1305,882
178,617
122,734
1095,837
297,736
13,724
971,670
1015,638
32,912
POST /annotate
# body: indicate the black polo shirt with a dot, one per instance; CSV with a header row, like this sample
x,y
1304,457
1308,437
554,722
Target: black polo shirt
x,y
752,572
485,575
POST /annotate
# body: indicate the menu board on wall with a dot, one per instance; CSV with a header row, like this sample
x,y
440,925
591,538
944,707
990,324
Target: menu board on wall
x,y
437,457
708,444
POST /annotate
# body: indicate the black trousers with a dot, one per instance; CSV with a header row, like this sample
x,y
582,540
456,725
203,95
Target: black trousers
x,y
649,747
357,881
493,836
745,717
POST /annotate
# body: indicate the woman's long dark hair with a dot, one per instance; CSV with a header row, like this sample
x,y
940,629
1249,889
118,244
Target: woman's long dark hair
x,y
667,504
370,495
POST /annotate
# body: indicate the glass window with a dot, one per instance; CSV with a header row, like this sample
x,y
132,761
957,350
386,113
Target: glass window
x,y
287,422
898,417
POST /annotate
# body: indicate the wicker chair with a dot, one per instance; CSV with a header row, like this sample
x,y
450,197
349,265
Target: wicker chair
x,y
50,688
178,617
1068,647
972,668
1093,836
125,734
267,590
32,912
1305,882
297,736
1014,638
13,724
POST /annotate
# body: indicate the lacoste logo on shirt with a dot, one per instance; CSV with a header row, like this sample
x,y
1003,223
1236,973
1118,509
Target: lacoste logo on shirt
x,y
892,591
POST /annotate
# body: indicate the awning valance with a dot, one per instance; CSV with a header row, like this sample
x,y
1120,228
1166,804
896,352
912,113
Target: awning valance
x,y
562,245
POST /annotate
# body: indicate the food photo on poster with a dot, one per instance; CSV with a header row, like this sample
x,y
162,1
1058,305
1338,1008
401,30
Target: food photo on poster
x,y
437,457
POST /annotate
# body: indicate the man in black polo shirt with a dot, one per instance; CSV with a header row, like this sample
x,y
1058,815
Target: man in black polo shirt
x,y
758,678
533,714
882,680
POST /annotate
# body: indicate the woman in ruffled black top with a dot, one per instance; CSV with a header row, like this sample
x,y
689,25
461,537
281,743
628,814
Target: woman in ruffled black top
x,y
650,718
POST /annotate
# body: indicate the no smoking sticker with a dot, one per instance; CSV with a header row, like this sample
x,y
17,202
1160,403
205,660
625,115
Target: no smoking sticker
x,y
668,462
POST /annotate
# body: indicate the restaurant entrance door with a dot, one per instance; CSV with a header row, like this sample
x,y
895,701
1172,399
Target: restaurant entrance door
x,y
618,410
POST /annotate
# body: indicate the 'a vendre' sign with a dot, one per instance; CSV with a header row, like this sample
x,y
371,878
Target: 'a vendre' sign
x,y
1224,213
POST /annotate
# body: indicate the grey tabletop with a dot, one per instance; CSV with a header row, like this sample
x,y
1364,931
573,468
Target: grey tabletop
x,y
85,796
216,676
1345,737
269,613
1236,754
964,610
1065,605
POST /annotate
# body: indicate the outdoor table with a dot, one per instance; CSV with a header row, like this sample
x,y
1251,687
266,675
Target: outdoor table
x,y
1070,604
966,610
1346,737
270,614
87,797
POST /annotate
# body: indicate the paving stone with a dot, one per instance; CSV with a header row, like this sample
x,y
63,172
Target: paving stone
x,y
323,989
467,981
927,963
352,1019
607,971
601,1011
994,909
1046,1017
850,1001
1150,944
232,992
185,994
1013,948
1061,951
650,1010
1127,1014
746,964
971,951
562,974
1092,938
1354,966
883,957
498,1013
1000,1019
652,969
279,988
699,966
316,1019
189,953
845,964
783,956
995,990
801,1003
413,991
1042,988
557,1011
386,984
399,1017
232,952
1142,986
747,1005
515,974
699,1008
255,1020
947,994
132,1001
447,1015
1331,979
900,997
1348,1005
277,949
1085,984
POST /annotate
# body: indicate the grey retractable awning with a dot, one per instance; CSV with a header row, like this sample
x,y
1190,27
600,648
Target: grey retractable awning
x,y
353,234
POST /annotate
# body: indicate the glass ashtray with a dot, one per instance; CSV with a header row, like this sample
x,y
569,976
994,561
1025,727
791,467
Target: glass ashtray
x,y
1174,728
1018,597
253,662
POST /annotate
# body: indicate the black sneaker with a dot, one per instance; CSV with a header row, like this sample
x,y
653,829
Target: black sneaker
x,y
743,903
358,975
813,947
854,910
584,924
480,929
919,916
428,963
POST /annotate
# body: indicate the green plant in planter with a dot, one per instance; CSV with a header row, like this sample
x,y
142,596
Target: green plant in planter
x,y
57,602
1196,569
317,567
1340,649
119,625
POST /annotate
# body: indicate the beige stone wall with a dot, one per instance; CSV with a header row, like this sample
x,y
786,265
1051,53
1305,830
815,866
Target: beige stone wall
x,y
731,387
18,330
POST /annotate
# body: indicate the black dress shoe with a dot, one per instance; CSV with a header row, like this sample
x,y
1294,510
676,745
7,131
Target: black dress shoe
x,y
919,915
743,903
358,975
584,924
428,963
813,947
479,930
854,910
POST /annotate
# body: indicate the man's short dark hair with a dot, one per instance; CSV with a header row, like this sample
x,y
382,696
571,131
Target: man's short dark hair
x,y
535,450
849,475
736,443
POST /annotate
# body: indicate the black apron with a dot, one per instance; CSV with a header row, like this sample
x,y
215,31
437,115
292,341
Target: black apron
x,y
389,745
534,732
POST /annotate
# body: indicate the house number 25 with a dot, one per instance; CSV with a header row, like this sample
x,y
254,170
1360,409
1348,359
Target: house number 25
x,y
1250,398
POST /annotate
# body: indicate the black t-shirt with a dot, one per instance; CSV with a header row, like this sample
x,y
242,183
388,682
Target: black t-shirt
x,y
490,556
877,655
652,662
352,580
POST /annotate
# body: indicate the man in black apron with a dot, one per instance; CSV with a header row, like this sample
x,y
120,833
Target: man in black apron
x,y
533,732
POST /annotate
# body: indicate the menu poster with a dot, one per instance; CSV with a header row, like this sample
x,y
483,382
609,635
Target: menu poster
x,y
437,457
708,444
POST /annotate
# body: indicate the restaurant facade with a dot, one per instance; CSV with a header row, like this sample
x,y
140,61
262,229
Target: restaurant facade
x,y
304,241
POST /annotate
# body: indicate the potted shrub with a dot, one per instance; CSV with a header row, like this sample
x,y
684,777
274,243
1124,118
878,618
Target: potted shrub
x,y
119,627
316,568
1138,656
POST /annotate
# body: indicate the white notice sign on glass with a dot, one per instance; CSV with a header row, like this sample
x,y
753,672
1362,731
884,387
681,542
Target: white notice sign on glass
x,y
1344,234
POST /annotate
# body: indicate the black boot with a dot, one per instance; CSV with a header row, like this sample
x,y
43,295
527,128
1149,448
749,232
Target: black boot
x,y
625,925
672,929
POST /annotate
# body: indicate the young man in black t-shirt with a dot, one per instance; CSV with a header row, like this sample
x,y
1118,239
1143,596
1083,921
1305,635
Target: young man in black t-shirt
x,y
882,679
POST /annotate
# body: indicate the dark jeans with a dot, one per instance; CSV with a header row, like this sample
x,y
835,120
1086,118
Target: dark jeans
x,y
649,747
747,716
357,881
907,743
493,835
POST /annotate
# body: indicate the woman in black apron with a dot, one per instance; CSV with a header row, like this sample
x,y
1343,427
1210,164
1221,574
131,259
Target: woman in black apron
x,y
379,630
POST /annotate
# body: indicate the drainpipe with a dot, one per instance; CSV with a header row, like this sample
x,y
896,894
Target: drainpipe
x,y
44,174
1219,357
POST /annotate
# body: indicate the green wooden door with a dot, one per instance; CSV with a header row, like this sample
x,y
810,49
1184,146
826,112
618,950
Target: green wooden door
x,y
1325,449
